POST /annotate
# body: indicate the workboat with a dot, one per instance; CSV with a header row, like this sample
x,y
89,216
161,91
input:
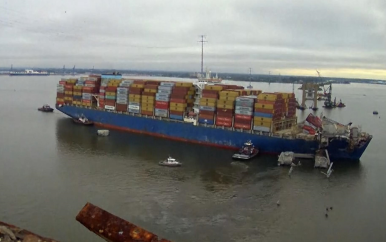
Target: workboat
x,y
83,120
170,162
247,151
340,104
46,108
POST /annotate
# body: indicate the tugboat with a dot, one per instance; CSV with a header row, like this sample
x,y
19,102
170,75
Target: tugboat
x,y
82,120
340,104
170,162
46,108
247,151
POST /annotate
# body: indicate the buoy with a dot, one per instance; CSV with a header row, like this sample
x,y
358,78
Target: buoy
x,y
278,203
375,112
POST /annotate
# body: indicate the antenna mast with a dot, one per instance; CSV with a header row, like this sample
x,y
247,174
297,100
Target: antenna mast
x,y
202,52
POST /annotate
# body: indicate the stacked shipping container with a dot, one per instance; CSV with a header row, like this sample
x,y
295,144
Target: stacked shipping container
x,y
268,108
123,95
181,100
135,92
68,90
244,112
60,92
225,107
162,99
208,104
148,97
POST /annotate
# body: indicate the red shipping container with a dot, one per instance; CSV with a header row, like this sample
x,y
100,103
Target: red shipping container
x,y
62,82
206,112
150,94
86,101
147,112
210,95
177,100
151,86
224,119
121,107
206,116
223,123
241,126
60,95
177,112
225,115
176,88
139,82
111,89
163,105
178,95
224,110
242,121
68,87
135,90
209,91
89,89
243,117
109,102
90,82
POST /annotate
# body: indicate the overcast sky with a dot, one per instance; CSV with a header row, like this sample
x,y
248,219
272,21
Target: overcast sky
x,y
294,37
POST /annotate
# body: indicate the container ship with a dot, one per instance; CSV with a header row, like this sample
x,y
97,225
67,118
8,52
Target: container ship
x,y
29,73
217,115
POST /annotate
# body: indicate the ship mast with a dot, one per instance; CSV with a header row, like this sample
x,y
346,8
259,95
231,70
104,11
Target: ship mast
x,y
202,53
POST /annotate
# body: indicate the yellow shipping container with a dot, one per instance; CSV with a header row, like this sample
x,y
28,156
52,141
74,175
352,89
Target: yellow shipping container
x,y
60,99
217,88
77,93
150,90
147,103
264,106
267,96
227,98
77,102
225,106
264,124
148,97
134,99
68,92
172,104
137,85
135,95
68,98
207,104
229,93
262,119
78,87
113,84
208,100
111,94
184,84
72,80
147,108
174,108
191,92
86,104
226,102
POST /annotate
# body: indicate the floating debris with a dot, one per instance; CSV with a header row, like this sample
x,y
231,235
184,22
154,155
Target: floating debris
x,y
113,228
278,203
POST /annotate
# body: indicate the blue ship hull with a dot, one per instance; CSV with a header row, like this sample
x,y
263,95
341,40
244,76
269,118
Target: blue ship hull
x,y
223,138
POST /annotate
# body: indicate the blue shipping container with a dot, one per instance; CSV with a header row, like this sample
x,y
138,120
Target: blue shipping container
x,y
264,115
177,117
205,121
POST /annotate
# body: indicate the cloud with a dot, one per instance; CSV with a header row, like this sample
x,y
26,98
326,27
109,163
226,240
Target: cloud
x,y
287,36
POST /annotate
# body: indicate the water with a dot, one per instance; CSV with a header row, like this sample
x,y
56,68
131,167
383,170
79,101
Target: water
x,y
50,168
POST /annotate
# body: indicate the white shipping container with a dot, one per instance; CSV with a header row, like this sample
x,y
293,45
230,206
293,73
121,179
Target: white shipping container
x,y
109,107
134,107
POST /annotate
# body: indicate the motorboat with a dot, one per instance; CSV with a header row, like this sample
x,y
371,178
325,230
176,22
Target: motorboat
x,y
82,120
170,162
246,152
46,108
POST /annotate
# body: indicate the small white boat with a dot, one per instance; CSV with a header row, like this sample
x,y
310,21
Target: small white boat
x,y
170,162
103,132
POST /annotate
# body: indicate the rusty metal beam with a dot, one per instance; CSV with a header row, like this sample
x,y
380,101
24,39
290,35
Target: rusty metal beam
x,y
112,228
19,234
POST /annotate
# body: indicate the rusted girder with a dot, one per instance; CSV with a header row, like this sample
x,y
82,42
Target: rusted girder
x,y
17,234
112,228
